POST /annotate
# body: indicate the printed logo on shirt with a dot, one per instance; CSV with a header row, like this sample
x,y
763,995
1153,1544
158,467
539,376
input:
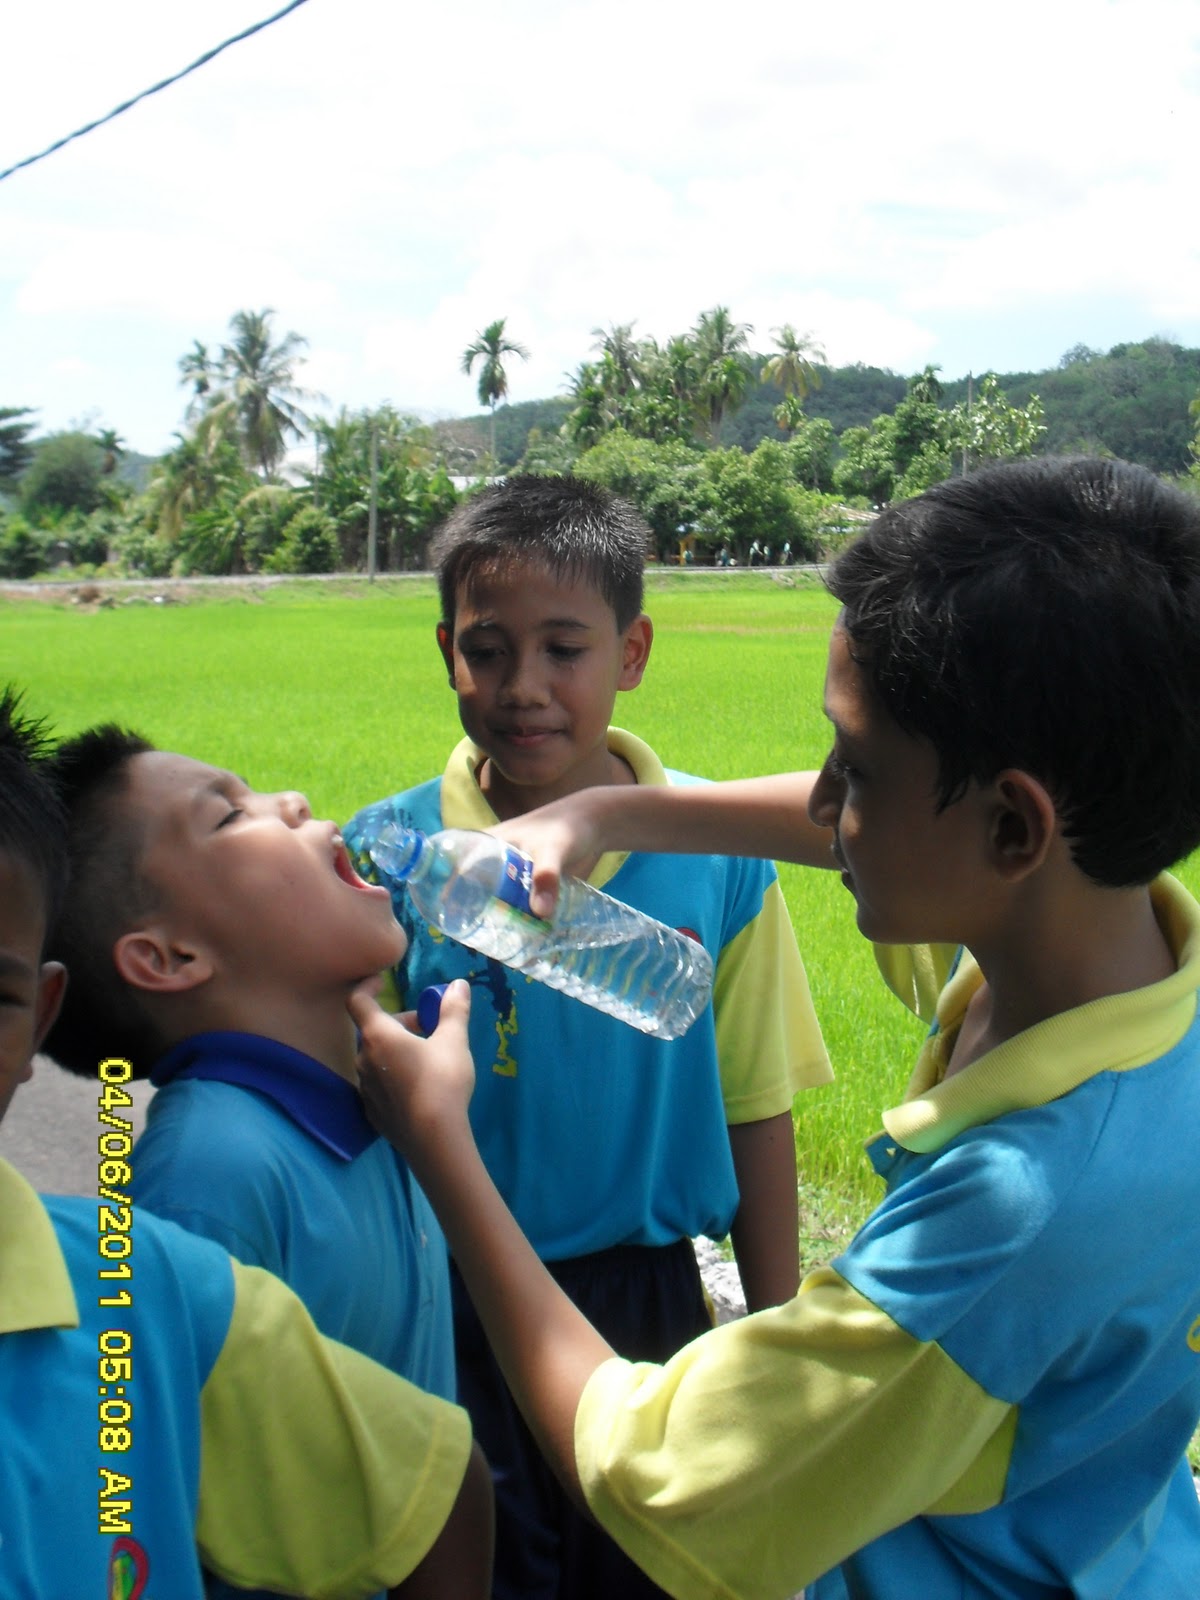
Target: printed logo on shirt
x,y
1193,1337
128,1571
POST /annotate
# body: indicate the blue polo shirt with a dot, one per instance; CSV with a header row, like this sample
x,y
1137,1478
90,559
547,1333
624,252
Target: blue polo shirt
x,y
268,1152
596,1134
990,1394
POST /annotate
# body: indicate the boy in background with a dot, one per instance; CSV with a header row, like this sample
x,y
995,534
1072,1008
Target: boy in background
x,y
990,1394
205,1416
213,935
612,1149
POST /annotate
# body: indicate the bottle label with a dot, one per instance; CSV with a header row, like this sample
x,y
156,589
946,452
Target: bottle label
x,y
516,885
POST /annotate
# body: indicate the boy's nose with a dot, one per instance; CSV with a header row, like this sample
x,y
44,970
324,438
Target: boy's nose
x,y
523,686
294,807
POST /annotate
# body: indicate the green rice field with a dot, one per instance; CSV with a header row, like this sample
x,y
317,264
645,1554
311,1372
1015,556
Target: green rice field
x,y
337,688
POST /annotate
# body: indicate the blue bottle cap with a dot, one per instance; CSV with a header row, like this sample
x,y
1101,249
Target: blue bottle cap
x,y
429,1006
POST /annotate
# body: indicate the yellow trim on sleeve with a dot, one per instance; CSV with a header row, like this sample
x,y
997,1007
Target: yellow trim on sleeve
x,y
770,1449
321,1473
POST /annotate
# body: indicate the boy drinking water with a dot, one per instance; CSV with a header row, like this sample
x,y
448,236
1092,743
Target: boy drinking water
x,y
613,1149
990,1393
213,935
200,1416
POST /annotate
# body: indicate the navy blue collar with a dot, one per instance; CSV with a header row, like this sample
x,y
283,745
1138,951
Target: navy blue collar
x,y
326,1106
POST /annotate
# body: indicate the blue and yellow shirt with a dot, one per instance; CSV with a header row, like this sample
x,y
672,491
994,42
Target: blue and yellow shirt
x,y
266,1151
594,1133
990,1394
279,1458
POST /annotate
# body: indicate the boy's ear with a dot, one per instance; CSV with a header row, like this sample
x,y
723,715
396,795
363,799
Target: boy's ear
x,y
52,985
1024,824
635,651
148,959
446,646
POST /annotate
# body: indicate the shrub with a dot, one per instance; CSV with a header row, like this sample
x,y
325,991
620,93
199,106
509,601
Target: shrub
x,y
309,544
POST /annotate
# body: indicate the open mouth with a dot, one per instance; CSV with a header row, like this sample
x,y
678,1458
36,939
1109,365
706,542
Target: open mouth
x,y
344,868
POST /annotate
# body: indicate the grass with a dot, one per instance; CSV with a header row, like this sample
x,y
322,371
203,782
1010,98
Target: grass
x,y
337,688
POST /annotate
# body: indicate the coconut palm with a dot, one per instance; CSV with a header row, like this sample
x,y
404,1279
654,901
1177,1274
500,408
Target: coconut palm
x,y
791,367
111,442
620,358
724,369
491,347
258,390
789,414
196,368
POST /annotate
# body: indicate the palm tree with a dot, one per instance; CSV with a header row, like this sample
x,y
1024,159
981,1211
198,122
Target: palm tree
x,y
111,442
724,372
196,368
791,368
925,386
258,388
492,347
620,358
789,414
590,416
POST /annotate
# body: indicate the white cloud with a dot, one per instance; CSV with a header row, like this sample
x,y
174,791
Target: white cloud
x,y
909,183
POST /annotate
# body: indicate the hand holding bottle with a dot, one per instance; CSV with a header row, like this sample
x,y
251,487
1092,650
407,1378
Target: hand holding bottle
x,y
476,889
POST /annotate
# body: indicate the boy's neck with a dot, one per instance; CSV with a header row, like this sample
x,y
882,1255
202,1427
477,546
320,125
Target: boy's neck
x,y
323,1031
1104,942
509,800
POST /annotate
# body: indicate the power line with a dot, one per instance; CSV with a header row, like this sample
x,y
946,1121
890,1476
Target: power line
x,y
165,84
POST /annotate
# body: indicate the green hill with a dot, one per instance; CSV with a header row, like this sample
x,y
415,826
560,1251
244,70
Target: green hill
x,y
1130,402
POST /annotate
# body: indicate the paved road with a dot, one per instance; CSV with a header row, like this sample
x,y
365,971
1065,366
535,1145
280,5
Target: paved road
x,y
50,1131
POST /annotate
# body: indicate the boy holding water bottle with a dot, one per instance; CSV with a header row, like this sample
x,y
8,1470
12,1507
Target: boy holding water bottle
x,y
613,1149
989,1394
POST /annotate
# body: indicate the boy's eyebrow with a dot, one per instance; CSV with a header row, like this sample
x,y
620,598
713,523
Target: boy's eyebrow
x,y
219,784
485,624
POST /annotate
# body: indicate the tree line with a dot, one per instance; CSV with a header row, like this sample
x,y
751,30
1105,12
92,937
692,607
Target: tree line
x,y
726,451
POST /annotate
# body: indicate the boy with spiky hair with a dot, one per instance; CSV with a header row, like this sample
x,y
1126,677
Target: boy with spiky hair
x,y
214,935
989,1394
195,1414
613,1149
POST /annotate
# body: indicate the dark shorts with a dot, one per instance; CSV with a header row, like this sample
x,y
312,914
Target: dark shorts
x,y
647,1303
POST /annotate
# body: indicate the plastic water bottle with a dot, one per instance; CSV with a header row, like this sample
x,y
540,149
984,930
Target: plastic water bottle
x,y
475,888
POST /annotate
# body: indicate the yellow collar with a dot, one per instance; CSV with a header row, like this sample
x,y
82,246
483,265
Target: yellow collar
x,y
465,806
35,1286
1115,1034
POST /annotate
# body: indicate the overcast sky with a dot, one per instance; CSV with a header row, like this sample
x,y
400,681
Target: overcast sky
x,y
977,186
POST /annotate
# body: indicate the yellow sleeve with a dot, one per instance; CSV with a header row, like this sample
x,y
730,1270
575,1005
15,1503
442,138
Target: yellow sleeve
x,y
321,1473
769,1042
769,1450
916,973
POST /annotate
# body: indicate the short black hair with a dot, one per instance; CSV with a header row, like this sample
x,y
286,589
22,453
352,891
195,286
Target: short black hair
x,y
32,826
1045,615
574,528
101,1015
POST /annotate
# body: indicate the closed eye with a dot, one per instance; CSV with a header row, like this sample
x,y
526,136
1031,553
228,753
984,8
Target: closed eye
x,y
231,816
